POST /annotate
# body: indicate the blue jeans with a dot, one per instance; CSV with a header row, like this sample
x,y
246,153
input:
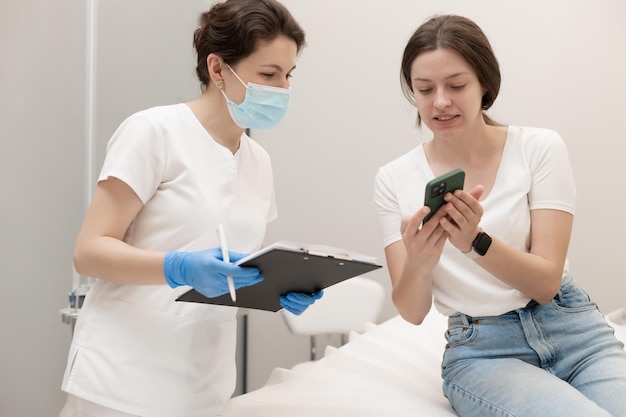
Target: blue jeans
x,y
557,359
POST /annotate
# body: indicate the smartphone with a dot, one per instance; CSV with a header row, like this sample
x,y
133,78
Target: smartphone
x,y
437,188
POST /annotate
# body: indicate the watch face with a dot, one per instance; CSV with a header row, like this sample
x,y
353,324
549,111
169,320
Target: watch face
x,y
481,243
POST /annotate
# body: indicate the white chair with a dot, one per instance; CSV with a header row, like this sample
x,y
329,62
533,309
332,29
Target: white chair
x,y
345,307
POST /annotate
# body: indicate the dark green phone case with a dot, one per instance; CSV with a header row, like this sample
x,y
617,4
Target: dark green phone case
x,y
437,188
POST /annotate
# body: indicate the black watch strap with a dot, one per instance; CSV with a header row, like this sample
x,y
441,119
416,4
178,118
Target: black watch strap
x,y
481,243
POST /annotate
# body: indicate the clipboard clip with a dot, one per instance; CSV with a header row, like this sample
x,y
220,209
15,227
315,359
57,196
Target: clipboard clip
x,y
329,255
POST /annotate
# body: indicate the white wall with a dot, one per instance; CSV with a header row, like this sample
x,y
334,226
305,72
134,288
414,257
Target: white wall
x,y
562,62
144,58
42,56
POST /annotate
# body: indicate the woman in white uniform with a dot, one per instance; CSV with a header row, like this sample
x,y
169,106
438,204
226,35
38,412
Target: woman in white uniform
x,y
523,338
171,175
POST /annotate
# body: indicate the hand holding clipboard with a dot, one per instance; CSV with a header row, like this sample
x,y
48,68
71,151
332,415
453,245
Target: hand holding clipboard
x,y
290,267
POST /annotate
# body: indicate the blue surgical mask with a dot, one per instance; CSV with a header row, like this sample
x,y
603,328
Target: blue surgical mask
x,y
262,108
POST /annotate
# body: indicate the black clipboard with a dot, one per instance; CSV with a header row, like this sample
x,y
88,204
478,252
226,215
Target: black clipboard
x,y
289,267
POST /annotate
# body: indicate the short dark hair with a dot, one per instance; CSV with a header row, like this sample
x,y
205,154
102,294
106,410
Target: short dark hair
x,y
463,36
233,28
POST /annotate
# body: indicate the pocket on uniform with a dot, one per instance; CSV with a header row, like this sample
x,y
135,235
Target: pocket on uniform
x,y
71,361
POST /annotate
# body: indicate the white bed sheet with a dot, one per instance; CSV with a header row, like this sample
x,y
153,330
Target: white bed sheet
x,y
393,369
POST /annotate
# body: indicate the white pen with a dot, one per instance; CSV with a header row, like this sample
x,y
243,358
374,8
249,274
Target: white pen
x,y
222,238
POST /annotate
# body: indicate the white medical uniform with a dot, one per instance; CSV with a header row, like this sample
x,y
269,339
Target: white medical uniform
x,y
135,349
534,173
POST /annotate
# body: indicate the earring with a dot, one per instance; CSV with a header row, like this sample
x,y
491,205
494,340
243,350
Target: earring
x,y
220,84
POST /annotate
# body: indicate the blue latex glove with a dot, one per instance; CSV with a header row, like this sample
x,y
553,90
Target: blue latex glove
x,y
297,302
206,272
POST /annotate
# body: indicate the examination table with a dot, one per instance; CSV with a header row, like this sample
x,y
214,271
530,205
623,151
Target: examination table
x,y
392,369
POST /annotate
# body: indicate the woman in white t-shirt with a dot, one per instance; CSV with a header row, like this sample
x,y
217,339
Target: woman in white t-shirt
x,y
523,339
172,174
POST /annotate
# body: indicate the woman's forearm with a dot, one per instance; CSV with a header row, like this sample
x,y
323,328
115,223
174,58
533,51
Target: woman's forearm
x,y
113,260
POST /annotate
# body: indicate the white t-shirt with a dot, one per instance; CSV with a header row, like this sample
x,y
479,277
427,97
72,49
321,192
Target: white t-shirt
x,y
534,173
136,349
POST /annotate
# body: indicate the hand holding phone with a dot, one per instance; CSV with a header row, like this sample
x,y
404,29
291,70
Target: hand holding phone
x,y
437,188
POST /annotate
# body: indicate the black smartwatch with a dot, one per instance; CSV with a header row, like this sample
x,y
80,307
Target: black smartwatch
x,y
481,243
